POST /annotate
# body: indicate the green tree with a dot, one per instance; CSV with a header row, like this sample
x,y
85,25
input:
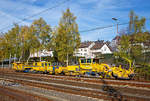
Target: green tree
x,y
66,38
9,43
139,25
136,46
132,45
29,41
2,47
43,32
21,41
136,25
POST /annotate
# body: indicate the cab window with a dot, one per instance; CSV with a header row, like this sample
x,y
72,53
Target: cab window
x,y
88,60
45,64
49,64
35,64
83,61
94,61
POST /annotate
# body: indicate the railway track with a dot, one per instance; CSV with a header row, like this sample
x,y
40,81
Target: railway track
x,y
129,83
94,90
16,95
64,76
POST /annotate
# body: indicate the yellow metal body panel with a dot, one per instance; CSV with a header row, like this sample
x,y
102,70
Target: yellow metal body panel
x,y
120,73
18,66
71,70
123,73
105,69
88,65
42,66
58,70
85,65
35,66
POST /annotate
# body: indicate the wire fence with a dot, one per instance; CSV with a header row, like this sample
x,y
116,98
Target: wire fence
x,y
6,66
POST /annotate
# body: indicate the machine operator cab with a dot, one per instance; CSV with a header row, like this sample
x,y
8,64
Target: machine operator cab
x,y
94,67
85,66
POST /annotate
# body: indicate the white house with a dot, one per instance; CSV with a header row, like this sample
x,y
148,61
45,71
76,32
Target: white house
x,y
84,49
90,49
42,53
87,49
114,43
100,47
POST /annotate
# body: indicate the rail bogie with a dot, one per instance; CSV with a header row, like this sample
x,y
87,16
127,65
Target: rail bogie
x,y
72,70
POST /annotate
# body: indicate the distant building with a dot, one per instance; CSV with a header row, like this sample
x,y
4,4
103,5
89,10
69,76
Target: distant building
x,y
88,49
91,49
84,49
101,47
42,53
114,43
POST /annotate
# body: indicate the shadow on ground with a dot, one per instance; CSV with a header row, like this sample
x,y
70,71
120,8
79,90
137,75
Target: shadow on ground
x,y
112,93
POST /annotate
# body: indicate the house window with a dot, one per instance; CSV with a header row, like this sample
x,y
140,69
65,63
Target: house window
x,y
81,49
85,50
85,54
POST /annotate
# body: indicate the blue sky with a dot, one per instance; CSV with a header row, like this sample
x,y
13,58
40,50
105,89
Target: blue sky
x,y
90,14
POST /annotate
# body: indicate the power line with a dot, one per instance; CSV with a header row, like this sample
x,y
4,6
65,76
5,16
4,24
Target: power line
x,y
98,28
109,26
36,14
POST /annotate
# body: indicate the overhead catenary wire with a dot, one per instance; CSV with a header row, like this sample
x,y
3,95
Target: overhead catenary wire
x,y
65,1
36,14
103,27
98,28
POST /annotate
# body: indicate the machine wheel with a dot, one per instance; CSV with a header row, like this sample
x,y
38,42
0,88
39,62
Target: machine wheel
x,y
115,76
131,76
45,72
62,73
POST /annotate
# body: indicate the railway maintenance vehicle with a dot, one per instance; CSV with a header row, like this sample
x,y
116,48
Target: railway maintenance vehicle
x,y
86,67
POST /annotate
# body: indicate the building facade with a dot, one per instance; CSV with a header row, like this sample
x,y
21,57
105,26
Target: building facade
x,y
84,50
89,49
42,53
92,49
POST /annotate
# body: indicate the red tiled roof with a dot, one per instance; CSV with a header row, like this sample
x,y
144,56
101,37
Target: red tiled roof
x,y
111,49
98,45
117,38
85,44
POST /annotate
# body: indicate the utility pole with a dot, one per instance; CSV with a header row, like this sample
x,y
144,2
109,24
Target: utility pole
x,y
9,60
2,63
15,58
40,58
67,59
115,19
